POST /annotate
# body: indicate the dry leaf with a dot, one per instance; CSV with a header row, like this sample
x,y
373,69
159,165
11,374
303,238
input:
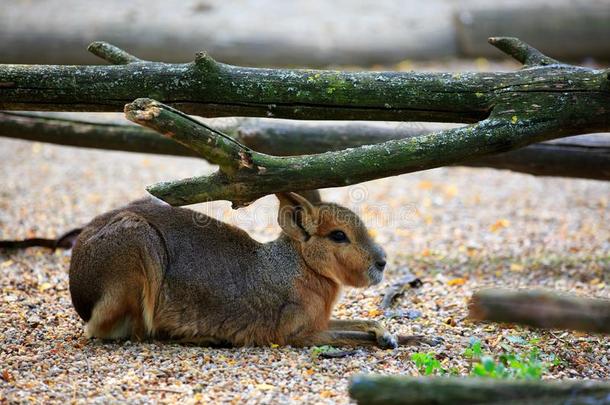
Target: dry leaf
x,y
374,312
456,281
6,376
516,267
44,286
499,224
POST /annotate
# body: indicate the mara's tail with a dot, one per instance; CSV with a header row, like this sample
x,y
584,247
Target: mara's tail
x,y
65,241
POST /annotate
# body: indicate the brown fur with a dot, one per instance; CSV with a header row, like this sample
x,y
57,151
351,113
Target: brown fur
x,y
150,270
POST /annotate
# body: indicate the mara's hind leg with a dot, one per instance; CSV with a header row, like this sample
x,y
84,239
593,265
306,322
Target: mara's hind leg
x,y
115,277
115,317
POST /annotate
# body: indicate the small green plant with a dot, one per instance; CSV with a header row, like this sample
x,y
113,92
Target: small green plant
x,y
316,351
474,351
427,364
528,365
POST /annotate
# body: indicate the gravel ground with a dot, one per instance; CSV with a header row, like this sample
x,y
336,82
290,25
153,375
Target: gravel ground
x,y
457,229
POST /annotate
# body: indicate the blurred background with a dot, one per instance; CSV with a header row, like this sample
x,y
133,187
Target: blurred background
x,y
301,32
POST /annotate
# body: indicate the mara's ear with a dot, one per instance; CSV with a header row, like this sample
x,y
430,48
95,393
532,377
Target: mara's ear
x,y
313,196
297,217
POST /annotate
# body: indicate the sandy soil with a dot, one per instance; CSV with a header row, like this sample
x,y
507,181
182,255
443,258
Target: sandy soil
x,y
457,229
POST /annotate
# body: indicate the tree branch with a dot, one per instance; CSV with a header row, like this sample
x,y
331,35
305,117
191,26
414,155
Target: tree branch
x,y
585,156
376,389
255,174
281,137
521,51
541,309
209,88
213,145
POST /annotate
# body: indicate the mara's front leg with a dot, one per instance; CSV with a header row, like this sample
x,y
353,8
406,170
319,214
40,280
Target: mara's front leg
x,y
337,338
383,338
348,333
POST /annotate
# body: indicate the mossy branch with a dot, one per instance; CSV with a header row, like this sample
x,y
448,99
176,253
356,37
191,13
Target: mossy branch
x,y
585,156
213,145
246,175
377,389
210,88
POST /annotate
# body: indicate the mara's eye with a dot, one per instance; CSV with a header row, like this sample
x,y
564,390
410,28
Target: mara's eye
x,y
338,236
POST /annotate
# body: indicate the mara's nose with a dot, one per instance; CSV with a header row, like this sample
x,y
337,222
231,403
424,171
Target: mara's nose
x,y
380,264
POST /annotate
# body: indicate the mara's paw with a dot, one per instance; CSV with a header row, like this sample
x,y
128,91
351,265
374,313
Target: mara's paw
x,y
386,340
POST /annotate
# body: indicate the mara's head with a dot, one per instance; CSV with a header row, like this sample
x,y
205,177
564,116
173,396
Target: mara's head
x,y
333,240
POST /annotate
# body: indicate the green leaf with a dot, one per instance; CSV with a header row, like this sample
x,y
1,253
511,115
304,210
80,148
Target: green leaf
x,y
488,364
534,341
479,370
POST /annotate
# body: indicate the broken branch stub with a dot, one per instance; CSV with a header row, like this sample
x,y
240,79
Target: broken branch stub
x,y
522,52
213,145
112,54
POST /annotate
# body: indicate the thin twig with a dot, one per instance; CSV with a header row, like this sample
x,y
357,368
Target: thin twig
x,y
166,390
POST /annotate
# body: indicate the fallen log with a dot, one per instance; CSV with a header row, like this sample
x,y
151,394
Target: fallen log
x,y
86,134
372,389
584,156
541,309
277,136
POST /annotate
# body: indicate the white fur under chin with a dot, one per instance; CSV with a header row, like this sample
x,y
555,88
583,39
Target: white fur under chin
x,y
375,276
